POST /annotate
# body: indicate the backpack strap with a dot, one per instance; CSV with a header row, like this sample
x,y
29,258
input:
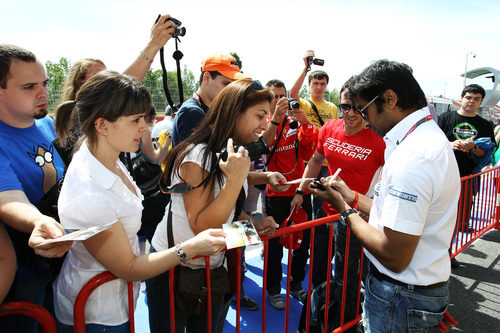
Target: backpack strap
x,y
316,111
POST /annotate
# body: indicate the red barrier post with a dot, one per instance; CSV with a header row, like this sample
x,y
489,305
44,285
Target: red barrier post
x,y
32,310
87,290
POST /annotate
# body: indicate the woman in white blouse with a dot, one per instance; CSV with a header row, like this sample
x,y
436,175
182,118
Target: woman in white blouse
x,y
99,191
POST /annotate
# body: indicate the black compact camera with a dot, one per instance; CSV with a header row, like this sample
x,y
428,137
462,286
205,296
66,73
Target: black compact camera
x,y
293,104
316,61
255,150
178,30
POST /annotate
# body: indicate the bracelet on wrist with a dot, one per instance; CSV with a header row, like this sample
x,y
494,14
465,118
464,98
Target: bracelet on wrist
x,y
473,149
356,200
275,123
145,57
181,254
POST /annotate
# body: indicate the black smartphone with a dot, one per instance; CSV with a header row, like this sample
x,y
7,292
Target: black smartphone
x,y
318,184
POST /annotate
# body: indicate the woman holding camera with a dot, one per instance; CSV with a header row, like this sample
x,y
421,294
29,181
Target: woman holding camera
x,y
98,191
237,117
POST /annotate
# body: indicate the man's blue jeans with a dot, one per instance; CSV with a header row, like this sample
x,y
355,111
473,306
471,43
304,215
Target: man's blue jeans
x,y
392,308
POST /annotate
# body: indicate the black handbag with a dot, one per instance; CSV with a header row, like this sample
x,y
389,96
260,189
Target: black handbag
x,y
190,291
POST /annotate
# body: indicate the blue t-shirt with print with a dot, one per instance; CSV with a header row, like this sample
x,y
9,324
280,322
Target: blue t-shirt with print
x,y
29,160
29,163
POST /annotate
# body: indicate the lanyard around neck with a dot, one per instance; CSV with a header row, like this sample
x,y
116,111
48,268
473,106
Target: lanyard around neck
x,y
418,123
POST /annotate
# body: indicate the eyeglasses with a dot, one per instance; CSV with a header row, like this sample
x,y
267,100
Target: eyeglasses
x,y
345,107
255,85
362,111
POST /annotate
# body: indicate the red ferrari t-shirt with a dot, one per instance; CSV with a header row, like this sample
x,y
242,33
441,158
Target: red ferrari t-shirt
x,y
358,155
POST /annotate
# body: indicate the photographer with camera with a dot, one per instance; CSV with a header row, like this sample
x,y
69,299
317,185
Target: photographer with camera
x,y
292,140
317,110
217,180
217,71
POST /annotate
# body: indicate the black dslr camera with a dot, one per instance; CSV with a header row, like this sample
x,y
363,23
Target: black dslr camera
x,y
178,30
293,104
255,150
316,61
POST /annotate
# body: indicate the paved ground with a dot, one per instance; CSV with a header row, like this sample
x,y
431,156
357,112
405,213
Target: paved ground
x,y
475,286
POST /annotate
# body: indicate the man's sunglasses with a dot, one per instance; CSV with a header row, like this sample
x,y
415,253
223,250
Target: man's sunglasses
x,y
363,110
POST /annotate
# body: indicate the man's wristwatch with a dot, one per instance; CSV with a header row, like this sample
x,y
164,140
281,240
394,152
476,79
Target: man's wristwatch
x,y
297,191
473,149
343,216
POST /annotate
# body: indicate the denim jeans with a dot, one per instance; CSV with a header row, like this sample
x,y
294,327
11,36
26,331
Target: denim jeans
x,y
392,308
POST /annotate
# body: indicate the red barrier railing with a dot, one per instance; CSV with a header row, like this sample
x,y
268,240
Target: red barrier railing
x,y
478,212
87,290
478,209
33,310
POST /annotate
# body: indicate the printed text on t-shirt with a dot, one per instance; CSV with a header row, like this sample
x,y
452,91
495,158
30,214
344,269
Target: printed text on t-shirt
x,y
347,149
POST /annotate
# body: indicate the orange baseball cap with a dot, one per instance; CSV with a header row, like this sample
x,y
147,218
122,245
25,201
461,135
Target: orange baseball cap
x,y
224,64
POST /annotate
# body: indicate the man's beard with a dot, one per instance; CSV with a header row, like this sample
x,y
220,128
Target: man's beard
x,y
40,114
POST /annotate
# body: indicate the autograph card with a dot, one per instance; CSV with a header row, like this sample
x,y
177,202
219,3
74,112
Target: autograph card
x,y
240,233
81,234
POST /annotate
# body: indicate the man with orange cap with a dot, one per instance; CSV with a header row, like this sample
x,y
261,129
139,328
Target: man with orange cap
x,y
217,71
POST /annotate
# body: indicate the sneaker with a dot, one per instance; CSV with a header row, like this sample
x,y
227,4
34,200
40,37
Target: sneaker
x,y
246,303
276,301
299,294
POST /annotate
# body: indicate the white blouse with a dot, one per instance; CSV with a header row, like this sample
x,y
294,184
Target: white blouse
x,y
92,195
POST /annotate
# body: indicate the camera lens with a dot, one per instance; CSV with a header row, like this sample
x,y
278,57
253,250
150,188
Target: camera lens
x,y
180,31
293,104
293,124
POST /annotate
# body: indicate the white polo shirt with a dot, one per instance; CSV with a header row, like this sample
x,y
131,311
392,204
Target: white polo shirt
x,y
418,195
93,195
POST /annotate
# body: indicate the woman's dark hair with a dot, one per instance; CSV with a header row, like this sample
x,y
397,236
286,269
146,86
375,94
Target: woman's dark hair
x,y
216,128
109,95
383,75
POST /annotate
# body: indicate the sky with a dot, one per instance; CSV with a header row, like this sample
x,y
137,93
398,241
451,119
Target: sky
x,y
271,37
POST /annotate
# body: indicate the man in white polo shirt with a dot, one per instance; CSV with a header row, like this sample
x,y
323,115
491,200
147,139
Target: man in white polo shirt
x,y
413,212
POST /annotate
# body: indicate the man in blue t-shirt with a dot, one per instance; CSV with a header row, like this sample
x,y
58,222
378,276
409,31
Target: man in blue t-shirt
x,y
217,71
30,167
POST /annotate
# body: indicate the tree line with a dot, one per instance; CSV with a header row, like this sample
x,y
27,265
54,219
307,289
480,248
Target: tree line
x,y
58,71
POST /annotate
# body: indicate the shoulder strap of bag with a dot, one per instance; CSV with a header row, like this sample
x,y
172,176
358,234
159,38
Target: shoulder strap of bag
x,y
316,111
170,233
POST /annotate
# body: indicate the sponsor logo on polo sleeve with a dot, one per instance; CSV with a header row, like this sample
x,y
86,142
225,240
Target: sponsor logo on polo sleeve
x,y
402,195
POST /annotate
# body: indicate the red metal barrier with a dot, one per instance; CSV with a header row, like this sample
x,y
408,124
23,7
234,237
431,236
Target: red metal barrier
x,y
478,212
33,310
87,290
478,209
